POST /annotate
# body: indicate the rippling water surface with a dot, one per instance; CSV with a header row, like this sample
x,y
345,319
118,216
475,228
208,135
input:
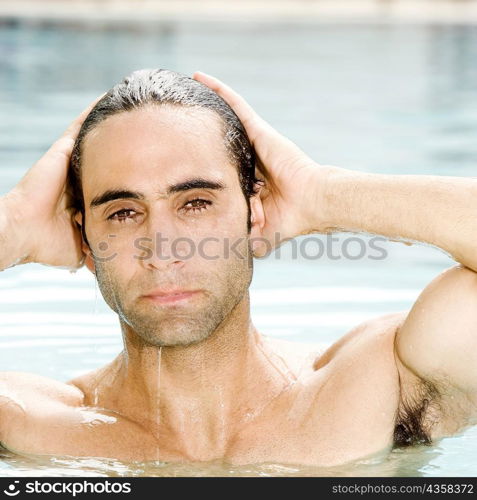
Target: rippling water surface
x,y
390,99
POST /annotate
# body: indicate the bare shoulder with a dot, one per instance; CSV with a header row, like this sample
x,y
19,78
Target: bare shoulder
x,y
376,333
26,396
297,356
90,382
309,357
20,385
42,416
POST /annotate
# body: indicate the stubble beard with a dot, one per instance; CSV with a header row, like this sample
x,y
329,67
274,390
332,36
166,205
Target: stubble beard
x,y
171,327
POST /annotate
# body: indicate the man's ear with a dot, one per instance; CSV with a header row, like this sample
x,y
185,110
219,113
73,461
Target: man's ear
x,y
89,262
257,216
257,219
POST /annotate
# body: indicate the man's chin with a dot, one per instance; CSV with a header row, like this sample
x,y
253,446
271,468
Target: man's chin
x,y
173,339
176,326
171,331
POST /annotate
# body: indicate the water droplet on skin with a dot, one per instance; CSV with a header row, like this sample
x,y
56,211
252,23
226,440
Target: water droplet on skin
x,y
159,358
95,396
12,400
92,418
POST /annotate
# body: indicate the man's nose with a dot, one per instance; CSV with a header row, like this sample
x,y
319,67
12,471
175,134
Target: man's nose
x,y
163,244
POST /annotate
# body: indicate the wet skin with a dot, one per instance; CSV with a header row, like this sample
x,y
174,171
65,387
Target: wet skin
x,y
196,381
337,405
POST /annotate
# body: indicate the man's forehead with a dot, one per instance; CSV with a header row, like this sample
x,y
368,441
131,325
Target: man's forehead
x,y
143,148
159,117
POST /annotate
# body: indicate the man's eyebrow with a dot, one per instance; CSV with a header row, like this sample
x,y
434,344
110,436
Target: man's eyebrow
x,y
197,183
119,194
114,194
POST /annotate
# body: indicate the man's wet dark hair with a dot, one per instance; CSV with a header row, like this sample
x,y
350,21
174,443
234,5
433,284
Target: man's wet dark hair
x,y
161,86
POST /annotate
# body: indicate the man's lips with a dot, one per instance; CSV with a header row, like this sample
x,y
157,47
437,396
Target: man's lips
x,y
170,296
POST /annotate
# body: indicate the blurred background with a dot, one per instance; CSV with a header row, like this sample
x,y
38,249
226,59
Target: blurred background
x,y
380,86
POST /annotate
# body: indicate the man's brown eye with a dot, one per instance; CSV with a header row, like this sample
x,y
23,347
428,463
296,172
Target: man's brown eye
x,y
121,215
197,204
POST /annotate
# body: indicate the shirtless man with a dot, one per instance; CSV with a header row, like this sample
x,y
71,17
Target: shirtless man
x,y
163,154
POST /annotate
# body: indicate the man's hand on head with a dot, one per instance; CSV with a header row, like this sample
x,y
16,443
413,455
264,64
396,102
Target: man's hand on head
x,y
39,212
293,188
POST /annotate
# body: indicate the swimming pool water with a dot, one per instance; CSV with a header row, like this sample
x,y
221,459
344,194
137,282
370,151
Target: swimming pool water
x,y
383,98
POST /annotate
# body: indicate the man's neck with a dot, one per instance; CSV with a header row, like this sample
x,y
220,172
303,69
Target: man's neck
x,y
199,396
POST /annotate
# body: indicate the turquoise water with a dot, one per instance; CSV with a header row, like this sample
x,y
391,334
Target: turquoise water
x,y
390,99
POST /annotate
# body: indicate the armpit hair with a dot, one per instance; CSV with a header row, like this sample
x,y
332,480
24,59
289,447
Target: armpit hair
x,y
417,414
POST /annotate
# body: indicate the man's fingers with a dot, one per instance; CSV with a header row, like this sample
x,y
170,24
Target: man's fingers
x,y
54,163
75,125
60,150
64,145
241,107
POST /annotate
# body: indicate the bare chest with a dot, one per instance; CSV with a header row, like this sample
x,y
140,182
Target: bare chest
x,y
347,417
338,415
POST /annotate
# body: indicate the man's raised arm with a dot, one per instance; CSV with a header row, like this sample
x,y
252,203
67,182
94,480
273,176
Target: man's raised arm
x,y
438,210
301,196
12,244
438,341
36,216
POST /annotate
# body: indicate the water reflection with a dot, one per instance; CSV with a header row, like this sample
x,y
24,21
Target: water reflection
x,y
398,463
400,99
